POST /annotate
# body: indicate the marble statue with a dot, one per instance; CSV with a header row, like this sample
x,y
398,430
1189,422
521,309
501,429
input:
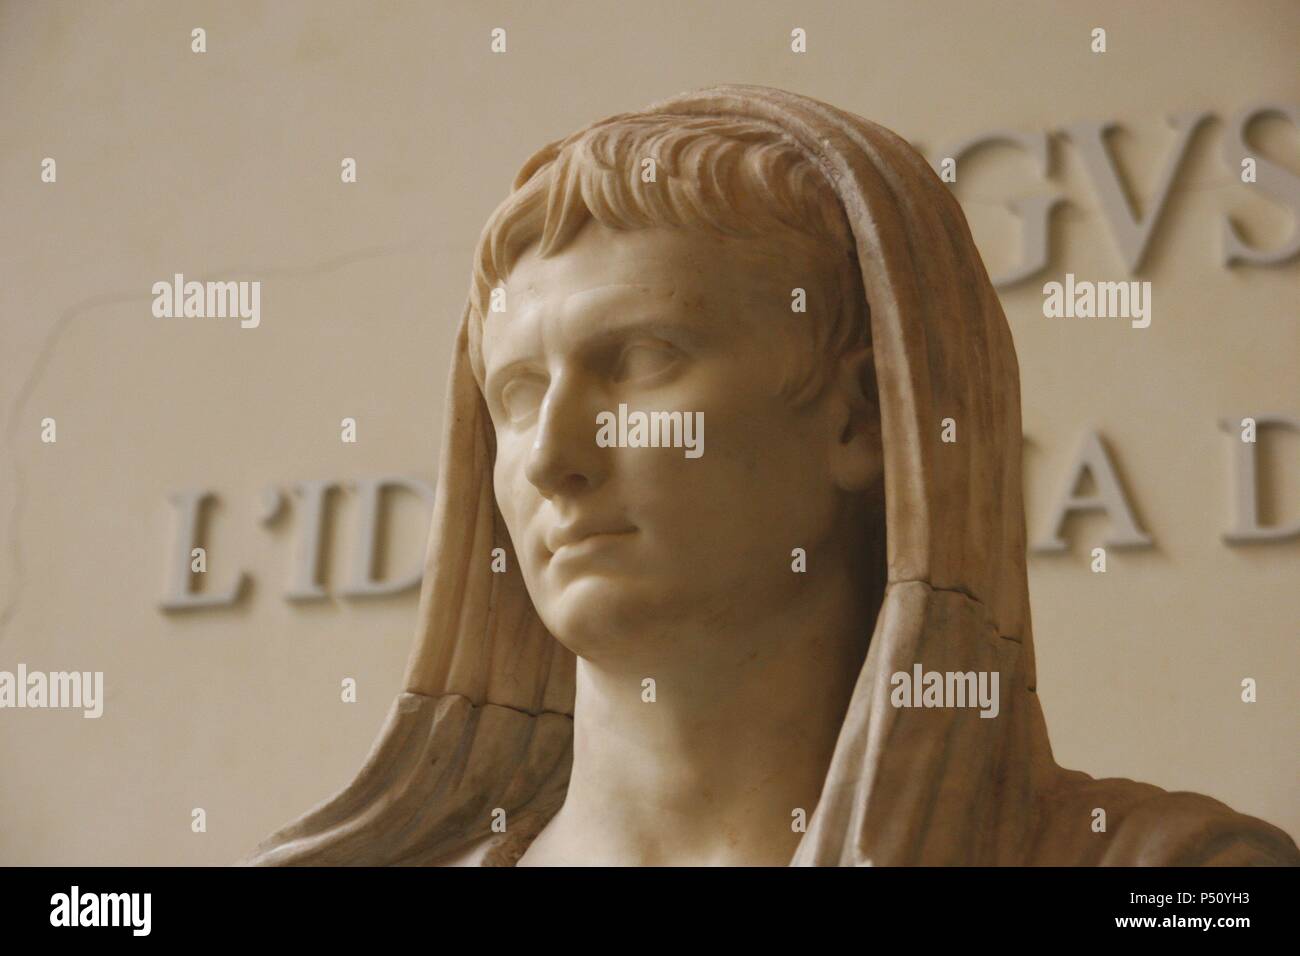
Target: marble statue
x,y
807,644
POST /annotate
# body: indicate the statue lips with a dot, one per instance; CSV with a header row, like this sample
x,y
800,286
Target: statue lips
x,y
580,536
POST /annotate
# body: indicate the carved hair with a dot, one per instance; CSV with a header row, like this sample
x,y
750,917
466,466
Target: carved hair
x,y
736,178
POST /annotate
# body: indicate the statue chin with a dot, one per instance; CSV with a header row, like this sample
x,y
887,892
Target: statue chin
x,y
638,646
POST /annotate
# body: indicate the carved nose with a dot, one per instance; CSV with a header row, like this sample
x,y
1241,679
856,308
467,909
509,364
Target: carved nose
x,y
564,459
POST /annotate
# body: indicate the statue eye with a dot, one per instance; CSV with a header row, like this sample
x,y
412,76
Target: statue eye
x,y
520,398
643,360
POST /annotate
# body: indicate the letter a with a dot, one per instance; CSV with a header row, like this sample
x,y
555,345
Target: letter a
x,y
1109,498
59,915
901,695
1053,304
605,437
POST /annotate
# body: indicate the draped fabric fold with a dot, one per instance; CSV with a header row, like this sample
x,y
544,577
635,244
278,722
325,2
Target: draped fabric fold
x,y
485,723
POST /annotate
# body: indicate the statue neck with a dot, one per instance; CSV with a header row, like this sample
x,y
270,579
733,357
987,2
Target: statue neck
x,y
718,759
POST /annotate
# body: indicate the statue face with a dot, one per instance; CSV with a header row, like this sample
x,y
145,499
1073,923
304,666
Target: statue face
x,y
628,550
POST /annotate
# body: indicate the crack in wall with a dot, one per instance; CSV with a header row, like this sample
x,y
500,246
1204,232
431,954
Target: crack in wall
x,y
45,355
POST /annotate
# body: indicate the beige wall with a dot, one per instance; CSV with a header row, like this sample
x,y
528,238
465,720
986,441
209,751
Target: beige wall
x,y
226,165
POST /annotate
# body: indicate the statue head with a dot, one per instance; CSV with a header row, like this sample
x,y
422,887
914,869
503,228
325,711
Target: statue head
x,y
703,270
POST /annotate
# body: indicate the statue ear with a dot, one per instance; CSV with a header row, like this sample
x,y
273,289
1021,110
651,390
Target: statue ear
x,y
856,457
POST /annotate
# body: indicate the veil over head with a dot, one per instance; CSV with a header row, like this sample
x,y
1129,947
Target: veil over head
x,y
486,719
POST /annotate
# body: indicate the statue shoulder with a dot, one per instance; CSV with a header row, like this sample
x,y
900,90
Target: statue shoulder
x,y
1143,825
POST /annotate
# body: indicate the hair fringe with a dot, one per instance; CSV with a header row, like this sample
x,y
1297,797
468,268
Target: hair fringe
x,y
736,178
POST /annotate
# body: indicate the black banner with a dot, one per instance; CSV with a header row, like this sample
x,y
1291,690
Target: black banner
x,y
305,906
